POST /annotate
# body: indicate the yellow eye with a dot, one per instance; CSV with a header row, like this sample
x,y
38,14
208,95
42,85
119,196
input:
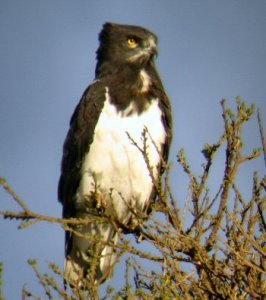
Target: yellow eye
x,y
132,43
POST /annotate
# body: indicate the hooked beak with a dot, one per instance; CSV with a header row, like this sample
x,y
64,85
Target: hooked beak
x,y
151,47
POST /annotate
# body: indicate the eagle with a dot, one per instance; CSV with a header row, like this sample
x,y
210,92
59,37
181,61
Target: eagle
x,y
115,151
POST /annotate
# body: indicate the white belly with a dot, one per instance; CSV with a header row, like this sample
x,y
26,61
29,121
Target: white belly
x,y
115,164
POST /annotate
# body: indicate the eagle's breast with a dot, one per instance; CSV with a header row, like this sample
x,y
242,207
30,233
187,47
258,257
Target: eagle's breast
x,y
115,166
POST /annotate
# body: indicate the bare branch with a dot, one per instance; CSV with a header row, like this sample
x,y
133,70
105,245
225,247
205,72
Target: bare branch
x,y
262,135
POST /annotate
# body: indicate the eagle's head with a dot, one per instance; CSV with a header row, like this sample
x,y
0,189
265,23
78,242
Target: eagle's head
x,y
124,45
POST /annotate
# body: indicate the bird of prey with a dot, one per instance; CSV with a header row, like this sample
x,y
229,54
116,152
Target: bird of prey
x,y
115,149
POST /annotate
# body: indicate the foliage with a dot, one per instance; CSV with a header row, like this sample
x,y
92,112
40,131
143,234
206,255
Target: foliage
x,y
219,255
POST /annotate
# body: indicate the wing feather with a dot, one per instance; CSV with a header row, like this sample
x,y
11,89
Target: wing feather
x,y
77,144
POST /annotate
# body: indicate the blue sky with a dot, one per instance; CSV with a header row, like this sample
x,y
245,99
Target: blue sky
x,y
209,50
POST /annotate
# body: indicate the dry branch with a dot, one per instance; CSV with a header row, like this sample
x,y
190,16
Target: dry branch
x,y
219,255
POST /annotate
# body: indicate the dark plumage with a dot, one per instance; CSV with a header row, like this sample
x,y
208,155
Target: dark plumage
x,y
102,171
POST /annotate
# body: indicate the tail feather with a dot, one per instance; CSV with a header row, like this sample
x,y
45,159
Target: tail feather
x,y
88,254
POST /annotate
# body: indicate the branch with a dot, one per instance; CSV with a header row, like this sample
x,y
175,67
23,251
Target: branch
x,y
29,217
11,192
262,136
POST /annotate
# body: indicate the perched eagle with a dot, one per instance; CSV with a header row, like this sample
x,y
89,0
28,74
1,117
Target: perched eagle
x,y
114,151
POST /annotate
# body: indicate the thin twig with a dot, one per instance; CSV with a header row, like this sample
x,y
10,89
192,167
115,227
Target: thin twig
x,y
262,136
9,189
